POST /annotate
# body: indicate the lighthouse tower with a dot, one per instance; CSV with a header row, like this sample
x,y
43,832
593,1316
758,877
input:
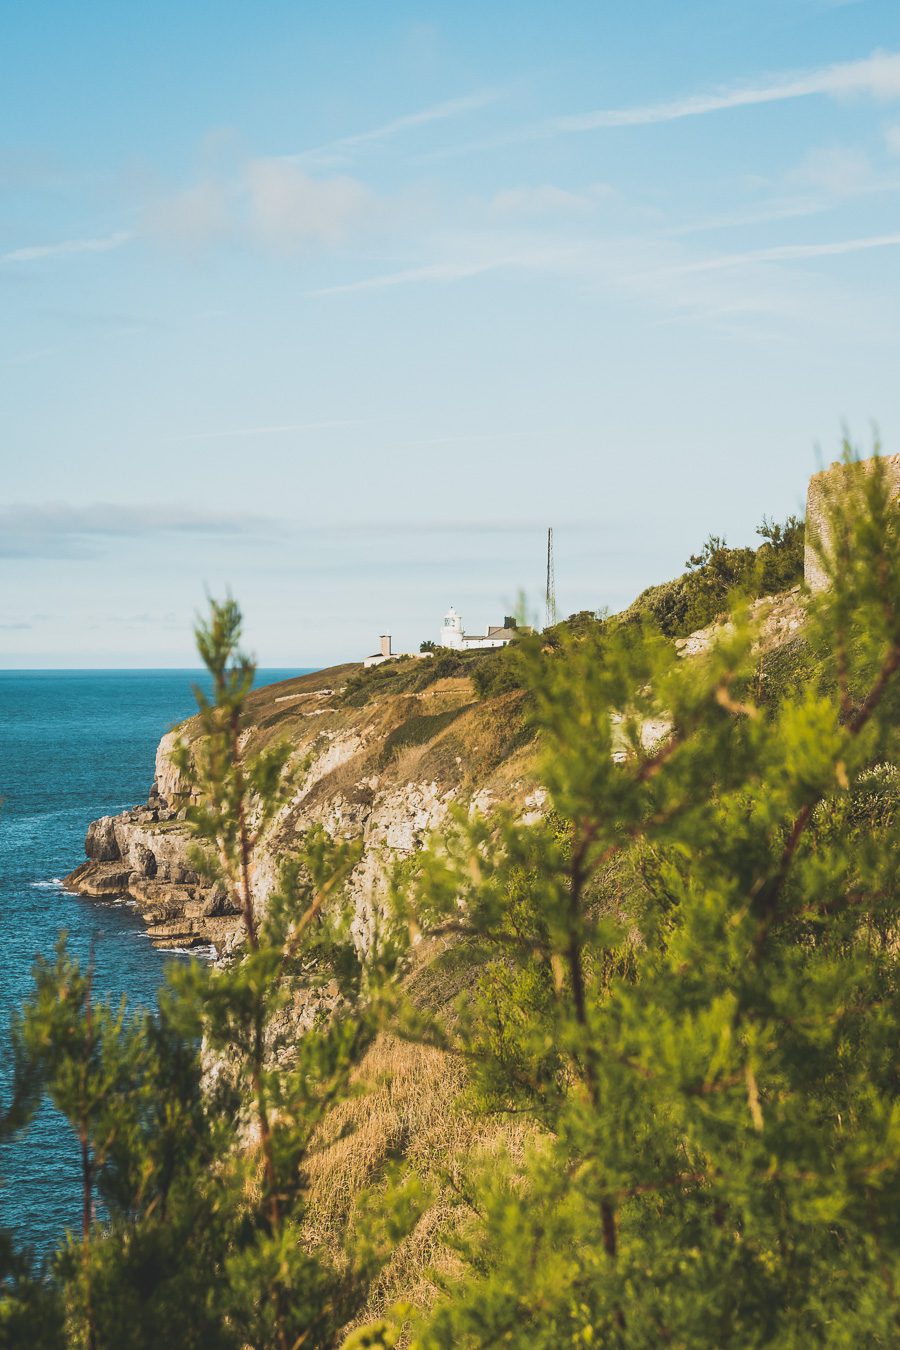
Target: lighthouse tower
x,y
451,630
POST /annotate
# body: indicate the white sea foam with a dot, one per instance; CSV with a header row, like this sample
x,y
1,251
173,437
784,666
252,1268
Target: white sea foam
x,y
204,953
54,884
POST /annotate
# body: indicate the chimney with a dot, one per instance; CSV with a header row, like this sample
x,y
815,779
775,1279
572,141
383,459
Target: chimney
x,y
385,644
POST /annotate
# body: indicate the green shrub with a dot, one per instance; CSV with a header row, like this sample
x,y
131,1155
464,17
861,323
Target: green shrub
x,y
498,673
390,677
704,591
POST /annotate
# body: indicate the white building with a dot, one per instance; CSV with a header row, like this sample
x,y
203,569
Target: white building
x,y
453,636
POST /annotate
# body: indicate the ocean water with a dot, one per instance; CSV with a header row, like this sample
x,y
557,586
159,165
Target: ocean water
x,y
74,745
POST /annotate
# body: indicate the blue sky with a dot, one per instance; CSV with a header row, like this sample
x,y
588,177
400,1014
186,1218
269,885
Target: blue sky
x,y
340,306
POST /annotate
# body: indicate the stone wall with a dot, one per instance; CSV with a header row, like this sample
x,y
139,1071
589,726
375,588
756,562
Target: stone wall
x,y
821,487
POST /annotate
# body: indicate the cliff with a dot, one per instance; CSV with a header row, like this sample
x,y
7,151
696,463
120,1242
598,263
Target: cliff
x,y
381,759
385,773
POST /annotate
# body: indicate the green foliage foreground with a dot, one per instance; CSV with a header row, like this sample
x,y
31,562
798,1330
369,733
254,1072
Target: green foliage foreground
x,y
689,990
194,1124
683,986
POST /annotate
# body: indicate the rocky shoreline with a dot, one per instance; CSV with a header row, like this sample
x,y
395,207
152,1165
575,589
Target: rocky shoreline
x,y
349,785
141,856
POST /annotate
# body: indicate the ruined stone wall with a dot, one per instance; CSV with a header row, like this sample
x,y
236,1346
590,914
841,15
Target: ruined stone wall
x,y
821,486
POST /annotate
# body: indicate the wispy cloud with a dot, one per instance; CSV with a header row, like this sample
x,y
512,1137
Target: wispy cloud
x,y
838,171
283,203
67,247
792,253
56,530
438,271
288,208
653,270
436,112
270,202
877,76
766,215
193,215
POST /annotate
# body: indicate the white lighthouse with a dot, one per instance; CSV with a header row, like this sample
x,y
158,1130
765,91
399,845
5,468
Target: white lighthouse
x,y
451,630
457,639
453,635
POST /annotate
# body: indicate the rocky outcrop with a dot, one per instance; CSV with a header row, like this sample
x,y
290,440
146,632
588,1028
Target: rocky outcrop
x,y
101,844
384,774
142,857
823,489
779,618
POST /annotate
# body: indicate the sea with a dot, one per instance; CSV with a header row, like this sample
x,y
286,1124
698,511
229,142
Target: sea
x,y
74,745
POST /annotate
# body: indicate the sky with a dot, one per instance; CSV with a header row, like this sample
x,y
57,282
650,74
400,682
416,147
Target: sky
x,y
339,307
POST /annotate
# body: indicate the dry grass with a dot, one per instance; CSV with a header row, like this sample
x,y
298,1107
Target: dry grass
x,y
407,1110
406,763
454,688
404,1107
341,781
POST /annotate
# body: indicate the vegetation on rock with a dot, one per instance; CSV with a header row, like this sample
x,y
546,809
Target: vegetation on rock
x,y
704,591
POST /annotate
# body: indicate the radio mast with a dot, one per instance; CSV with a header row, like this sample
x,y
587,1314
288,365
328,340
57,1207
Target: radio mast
x,y
550,619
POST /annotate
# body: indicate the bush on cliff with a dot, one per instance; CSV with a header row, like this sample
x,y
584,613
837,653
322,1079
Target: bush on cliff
x,y
704,591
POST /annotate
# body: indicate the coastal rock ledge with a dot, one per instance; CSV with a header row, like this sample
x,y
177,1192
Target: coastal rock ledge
x,y
383,768
141,857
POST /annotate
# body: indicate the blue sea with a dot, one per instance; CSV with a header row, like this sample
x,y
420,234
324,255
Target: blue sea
x,y
74,745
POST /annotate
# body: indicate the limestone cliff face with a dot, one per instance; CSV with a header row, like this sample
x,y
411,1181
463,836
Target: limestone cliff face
x,y
385,773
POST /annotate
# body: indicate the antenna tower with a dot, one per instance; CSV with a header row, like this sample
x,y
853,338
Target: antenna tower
x,y
551,583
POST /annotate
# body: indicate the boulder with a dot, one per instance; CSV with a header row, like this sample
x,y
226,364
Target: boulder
x,y
143,861
100,843
218,902
101,880
160,896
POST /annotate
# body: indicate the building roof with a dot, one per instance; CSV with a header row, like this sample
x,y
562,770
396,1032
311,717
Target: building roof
x,y
505,634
